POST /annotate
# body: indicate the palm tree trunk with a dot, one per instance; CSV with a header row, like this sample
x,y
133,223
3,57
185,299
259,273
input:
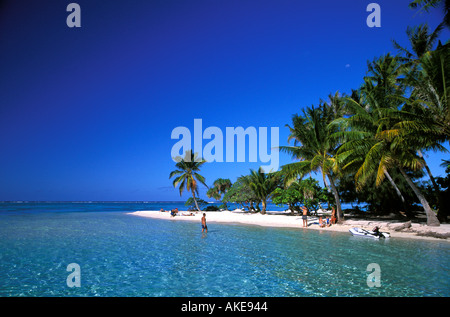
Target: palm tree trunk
x,y
395,186
327,186
437,191
195,200
340,215
263,211
432,220
433,181
399,194
257,205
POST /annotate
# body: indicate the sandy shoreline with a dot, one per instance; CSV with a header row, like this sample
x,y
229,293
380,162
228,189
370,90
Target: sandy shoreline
x,y
287,220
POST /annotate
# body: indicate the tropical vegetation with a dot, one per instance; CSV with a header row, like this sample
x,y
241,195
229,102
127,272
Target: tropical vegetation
x,y
367,146
187,176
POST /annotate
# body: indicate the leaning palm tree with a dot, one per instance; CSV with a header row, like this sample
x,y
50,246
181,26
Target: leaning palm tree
x,y
314,148
379,153
381,90
422,41
187,174
388,149
402,154
424,120
356,134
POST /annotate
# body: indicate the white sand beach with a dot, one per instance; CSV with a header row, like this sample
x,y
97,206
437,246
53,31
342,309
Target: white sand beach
x,y
288,220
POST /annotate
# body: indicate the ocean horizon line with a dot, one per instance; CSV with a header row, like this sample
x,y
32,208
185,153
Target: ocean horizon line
x,y
348,205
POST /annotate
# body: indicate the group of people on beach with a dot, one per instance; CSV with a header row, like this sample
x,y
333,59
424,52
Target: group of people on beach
x,y
322,223
174,212
326,223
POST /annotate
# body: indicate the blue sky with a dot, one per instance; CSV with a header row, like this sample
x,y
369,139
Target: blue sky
x,y
87,113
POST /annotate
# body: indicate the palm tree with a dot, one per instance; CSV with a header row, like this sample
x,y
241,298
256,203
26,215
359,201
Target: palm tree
x,y
380,91
404,156
313,147
384,73
187,174
428,4
357,136
222,185
378,154
425,119
262,185
213,192
369,143
241,193
422,41
390,149
220,188
428,111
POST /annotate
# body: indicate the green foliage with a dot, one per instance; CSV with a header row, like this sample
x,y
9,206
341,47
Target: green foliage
x,y
382,199
255,188
428,4
213,192
186,174
367,146
211,208
305,192
290,196
262,185
221,186
314,145
240,193
190,203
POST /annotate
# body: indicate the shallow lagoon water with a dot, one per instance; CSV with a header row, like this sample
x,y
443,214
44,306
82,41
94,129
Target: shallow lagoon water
x,y
124,255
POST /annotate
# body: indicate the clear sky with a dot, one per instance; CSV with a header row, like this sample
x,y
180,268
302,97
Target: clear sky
x,y
87,113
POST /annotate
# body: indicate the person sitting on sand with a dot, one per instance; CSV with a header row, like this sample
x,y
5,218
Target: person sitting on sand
x,y
321,223
328,222
305,216
174,212
162,210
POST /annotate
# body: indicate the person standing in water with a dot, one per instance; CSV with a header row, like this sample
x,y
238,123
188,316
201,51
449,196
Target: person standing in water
x,y
204,227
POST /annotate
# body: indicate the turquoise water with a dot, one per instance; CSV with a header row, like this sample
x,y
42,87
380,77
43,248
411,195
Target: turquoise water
x,y
123,255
